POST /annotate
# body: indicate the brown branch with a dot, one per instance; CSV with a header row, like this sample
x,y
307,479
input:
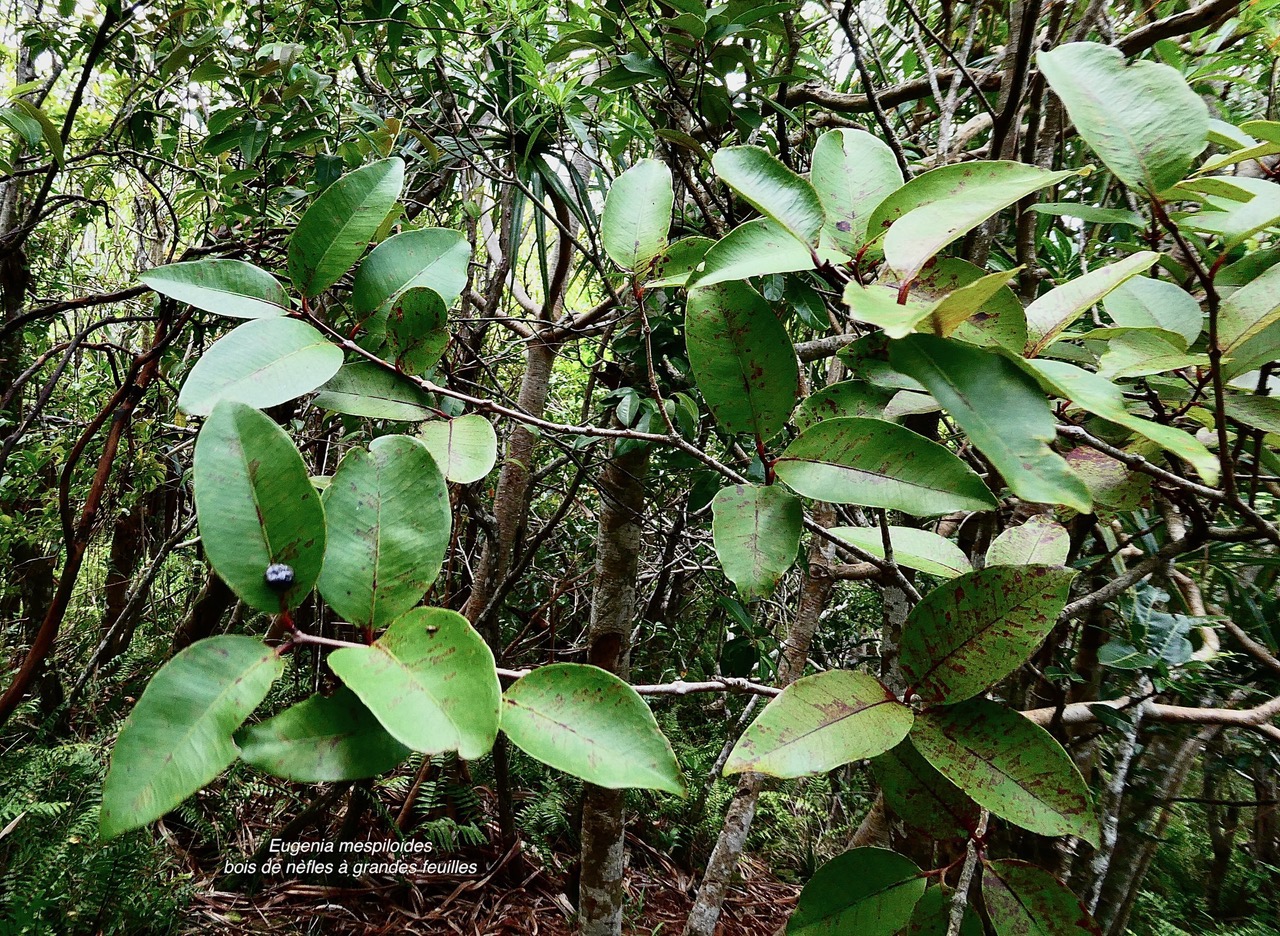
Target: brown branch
x,y
844,103
1179,24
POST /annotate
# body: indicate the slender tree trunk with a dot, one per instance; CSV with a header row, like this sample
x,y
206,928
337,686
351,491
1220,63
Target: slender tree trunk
x,y
613,611
723,863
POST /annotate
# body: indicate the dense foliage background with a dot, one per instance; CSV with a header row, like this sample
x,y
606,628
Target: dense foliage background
x,y
143,135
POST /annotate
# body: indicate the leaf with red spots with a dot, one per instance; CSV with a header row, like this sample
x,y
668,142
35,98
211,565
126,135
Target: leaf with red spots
x,y
1023,900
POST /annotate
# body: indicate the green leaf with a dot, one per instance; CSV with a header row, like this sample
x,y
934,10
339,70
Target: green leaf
x,y
865,891
1143,302
932,916
819,723
1038,542
1246,207
852,172
26,127
179,735
1249,310
388,519
1257,412
940,205
324,739
999,322
847,398
1051,313
1001,409
1103,398
1141,118
922,797
366,389
256,506
875,463
589,723
1022,899
340,223
921,550
676,266
742,358
224,287
413,331
465,448
1008,764
757,534
758,248
978,628
637,215
430,680
1092,213
878,305
773,189
51,134
435,258
264,363
1144,352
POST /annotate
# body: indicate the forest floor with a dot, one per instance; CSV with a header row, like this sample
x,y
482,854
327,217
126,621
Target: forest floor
x,y
515,896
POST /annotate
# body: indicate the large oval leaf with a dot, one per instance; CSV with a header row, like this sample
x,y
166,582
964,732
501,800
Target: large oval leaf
x,y
225,287
1143,302
922,797
637,215
179,735
1008,764
819,723
1099,396
1141,118
1039,541
364,388
978,628
340,223
430,680
773,189
742,358
412,330
852,172
264,363
435,258
932,916
1004,413
1048,315
865,891
465,448
256,506
323,739
938,206
1022,899
757,248
853,460
921,550
589,723
756,531
388,520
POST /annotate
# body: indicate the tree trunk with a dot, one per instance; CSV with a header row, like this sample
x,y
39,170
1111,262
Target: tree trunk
x,y
723,863
613,609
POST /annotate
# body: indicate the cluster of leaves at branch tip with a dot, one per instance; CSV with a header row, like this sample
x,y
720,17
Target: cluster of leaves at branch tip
x,y
958,341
